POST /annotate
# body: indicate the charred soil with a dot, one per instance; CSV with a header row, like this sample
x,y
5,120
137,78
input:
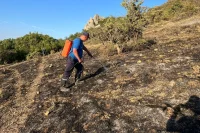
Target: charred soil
x,y
151,90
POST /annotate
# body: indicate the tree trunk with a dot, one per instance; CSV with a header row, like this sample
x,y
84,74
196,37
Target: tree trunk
x,y
119,49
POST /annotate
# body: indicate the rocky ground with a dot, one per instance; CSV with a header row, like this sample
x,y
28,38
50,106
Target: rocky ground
x,y
154,90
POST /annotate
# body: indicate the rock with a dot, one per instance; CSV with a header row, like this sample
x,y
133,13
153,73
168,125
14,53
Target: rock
x,y
156,49
63,89
84,100
196,69
99,81
93,22
1,92
131,68
46,113
139,61
172,83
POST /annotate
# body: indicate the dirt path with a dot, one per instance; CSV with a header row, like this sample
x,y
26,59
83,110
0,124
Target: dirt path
x,y
36,82
23,103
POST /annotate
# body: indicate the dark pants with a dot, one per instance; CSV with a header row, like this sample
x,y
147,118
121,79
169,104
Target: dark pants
x,y
69,68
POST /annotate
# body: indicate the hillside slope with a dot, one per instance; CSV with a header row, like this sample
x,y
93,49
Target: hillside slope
x,y
153,90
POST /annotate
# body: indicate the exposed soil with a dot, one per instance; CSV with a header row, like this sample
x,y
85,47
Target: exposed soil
x,y
154,90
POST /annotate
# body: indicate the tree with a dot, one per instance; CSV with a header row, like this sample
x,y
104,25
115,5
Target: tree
x,y
135,20
120,30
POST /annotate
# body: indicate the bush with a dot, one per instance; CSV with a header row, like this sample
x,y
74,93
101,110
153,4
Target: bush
x,y
28,46
8,56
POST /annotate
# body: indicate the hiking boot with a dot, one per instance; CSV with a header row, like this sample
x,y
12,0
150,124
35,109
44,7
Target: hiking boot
x,y
77,82
65,83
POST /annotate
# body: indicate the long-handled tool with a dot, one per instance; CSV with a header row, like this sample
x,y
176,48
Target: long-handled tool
x,y
74,66
103,66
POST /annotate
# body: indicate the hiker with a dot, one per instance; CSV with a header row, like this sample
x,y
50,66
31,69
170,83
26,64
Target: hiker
x,y
75,59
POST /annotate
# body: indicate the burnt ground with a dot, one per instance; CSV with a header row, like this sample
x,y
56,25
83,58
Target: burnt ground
x,y
153,90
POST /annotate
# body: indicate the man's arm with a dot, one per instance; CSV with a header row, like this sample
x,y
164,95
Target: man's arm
x,y
76,55
84,48
76,44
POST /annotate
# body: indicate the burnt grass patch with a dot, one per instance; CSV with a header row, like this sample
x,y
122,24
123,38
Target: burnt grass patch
x,y
28,70
61,118
7,93
104,103
7,82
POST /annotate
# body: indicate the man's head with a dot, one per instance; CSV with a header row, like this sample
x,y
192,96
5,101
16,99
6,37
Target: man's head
x,y
84,36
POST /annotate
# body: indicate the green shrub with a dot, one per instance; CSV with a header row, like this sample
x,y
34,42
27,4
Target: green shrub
x,y
28,46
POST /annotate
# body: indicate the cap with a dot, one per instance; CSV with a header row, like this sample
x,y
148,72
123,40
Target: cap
x,y
86,34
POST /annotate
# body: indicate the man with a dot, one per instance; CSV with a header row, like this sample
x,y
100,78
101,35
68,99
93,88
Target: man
x,y
75,59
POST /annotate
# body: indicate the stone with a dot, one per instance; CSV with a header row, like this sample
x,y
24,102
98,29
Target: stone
x,y
93,22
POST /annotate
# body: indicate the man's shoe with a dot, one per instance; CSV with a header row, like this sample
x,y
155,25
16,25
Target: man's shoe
x,y
77,82
65,83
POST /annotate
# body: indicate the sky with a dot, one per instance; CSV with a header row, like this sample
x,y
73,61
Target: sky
x,y
56,18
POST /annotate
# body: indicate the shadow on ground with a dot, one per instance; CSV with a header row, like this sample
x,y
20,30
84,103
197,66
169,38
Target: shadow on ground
x,y
186,117
99,71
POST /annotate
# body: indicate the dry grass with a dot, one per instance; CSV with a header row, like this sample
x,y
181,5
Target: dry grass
x,y
101,50
172,31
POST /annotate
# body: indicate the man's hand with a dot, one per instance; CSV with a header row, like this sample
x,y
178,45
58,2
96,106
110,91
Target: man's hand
x,y
89,54
80,60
